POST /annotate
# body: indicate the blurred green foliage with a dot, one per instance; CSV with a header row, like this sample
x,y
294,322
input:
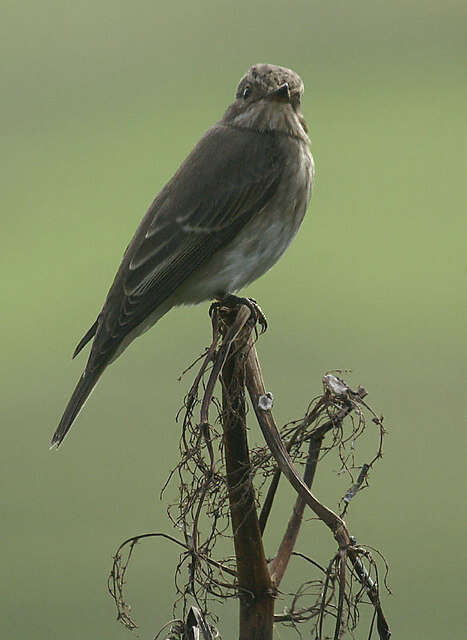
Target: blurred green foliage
x,y
100,102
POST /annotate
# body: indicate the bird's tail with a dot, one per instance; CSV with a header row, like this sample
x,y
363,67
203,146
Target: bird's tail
x,y
81,393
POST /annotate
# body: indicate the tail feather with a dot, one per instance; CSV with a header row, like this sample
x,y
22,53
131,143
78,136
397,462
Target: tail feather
x,y
81,393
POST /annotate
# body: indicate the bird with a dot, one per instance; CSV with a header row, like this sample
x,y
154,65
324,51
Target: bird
x,y
223,220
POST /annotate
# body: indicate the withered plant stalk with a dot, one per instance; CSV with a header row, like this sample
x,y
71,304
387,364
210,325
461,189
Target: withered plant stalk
x,y
220,483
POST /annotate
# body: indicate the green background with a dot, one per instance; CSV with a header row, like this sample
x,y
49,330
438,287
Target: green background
x,y
100,103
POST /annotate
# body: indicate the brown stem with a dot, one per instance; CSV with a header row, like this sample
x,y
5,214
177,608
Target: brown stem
x,y
254,582
279,565
340,601
229,339
267,505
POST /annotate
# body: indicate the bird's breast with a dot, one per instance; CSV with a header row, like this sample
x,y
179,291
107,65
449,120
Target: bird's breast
x,y
263,240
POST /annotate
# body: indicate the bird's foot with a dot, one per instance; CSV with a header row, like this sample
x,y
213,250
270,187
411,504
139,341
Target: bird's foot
x,y
231,301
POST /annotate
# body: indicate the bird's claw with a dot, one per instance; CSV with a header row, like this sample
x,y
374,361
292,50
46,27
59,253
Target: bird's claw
x,y
230,301
256,313
215,306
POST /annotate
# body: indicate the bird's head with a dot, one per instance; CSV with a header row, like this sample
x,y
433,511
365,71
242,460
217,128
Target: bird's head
x,y
268,97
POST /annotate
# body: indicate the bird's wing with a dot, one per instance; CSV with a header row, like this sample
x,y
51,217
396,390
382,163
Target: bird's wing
x,y
228,177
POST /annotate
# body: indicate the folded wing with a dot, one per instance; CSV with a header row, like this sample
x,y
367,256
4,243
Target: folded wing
x,y
229,176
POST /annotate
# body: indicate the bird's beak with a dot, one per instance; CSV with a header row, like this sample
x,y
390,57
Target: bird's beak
x,y
282,94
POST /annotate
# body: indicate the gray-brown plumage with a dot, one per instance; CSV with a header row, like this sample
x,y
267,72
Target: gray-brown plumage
x,y
223,220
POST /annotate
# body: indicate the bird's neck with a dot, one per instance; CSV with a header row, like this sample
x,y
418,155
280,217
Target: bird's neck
x,y
270,116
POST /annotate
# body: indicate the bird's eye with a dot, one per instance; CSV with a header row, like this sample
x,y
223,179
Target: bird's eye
x,y
246,92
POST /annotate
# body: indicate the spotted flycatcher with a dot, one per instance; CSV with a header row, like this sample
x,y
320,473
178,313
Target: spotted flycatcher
x,y
223,220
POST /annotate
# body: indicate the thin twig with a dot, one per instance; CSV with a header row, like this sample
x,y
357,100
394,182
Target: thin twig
x,y
340,602
279,564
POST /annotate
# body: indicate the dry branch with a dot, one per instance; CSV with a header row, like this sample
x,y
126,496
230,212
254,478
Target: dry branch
x,y
218,486
254,582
